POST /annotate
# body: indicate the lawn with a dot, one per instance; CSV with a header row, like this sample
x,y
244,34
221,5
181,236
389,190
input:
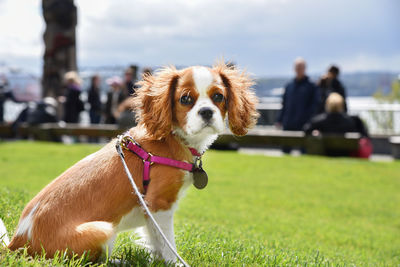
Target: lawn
x,y
256,210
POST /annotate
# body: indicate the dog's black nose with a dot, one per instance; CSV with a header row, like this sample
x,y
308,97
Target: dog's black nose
x,y
206,113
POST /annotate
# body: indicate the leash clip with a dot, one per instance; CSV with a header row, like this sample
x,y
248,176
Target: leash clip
x,y
198,163
118,146
125,139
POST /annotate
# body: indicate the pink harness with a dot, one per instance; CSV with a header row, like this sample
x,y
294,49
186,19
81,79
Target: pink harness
x,y
149,159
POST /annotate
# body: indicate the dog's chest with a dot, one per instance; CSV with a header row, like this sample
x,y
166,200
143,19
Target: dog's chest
x,y
187,182
135,218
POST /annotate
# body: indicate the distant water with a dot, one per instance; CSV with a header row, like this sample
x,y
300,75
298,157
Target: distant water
x,y
364,107
356,84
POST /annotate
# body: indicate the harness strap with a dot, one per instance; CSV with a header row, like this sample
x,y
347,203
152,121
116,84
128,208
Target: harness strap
x,y
149,159
172,162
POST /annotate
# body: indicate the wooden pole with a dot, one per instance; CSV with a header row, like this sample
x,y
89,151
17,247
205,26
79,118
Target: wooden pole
x,y
60,44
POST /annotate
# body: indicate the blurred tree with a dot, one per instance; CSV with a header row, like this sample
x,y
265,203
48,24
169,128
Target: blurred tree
x,y
392,96
59,38
385,118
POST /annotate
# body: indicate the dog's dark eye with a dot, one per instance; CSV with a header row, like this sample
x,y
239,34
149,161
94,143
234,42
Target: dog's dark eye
x,y
186,100
217,98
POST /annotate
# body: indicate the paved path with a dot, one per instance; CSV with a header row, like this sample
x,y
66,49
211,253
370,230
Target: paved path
x,y
296,153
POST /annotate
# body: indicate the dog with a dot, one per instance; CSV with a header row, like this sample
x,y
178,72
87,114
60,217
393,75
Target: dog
x,y
178,112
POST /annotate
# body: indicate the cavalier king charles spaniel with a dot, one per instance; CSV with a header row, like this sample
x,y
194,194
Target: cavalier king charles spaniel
x,y
178,112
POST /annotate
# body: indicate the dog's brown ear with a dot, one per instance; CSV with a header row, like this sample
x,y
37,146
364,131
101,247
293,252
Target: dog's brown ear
x,y
241,101
154,100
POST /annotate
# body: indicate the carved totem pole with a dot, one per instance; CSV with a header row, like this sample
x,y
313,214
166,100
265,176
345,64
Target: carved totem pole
x,y
59,38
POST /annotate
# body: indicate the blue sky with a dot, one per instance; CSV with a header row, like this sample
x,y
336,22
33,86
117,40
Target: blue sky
x,y
262,36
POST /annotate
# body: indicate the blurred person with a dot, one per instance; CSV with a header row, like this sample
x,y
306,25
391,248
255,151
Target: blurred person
x,y
125,116
5,93
73,105
44,111
94,100
130,77
114,98
335,121
329,83
3,96
300,101
361,128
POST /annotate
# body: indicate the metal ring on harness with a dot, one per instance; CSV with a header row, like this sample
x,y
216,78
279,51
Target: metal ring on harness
x,y
123,140
149,159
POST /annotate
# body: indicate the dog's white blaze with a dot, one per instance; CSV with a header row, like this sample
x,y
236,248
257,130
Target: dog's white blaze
x,y
202,78
26,224
3,234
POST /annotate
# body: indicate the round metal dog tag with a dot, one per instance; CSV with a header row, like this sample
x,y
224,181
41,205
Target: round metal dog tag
x,y
200,178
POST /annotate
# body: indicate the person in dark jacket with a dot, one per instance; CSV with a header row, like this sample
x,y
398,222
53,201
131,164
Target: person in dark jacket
x,y
330,84
334,120
94,100
300,100
73,104
114,98
360,126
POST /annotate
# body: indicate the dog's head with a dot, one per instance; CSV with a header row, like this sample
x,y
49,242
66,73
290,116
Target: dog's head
x,y
194,102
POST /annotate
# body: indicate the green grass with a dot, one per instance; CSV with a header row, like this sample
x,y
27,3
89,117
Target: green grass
x,y
256,210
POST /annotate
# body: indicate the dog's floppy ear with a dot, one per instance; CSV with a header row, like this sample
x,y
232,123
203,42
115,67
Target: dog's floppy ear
x,y
154,100
241,100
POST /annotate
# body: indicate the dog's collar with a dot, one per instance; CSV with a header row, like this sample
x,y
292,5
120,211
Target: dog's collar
x,y
127,142
195,152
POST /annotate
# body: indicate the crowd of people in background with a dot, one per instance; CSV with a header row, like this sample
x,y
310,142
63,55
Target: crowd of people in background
x,y
315,108
115,110
319,108
68,108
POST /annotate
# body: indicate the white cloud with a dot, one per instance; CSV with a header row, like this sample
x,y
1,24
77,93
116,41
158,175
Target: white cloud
x,y
21,32
159,32
264,36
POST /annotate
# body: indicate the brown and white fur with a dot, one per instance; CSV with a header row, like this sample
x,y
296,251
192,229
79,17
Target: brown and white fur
x,y
87,205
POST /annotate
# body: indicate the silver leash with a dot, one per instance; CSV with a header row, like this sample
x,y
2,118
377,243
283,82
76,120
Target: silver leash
x,y
144,205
